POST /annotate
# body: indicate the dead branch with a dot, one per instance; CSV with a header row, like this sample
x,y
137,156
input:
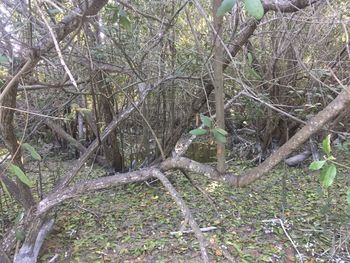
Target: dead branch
x,y
203,229
285,6
85,187
186,212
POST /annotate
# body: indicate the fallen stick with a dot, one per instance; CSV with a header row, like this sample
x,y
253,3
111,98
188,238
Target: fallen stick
x,y
204,229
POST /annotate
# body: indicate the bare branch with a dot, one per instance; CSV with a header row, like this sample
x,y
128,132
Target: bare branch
x,y
287,6
81,188
186,212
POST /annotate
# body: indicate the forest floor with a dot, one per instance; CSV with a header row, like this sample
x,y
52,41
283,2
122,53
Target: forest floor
x,y
133,223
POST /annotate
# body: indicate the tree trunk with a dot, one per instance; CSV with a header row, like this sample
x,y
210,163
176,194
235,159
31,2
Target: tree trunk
x,y
110,145
219,84
7,131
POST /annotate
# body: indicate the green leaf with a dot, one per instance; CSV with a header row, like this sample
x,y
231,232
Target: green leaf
x,y
113,12
3,59
327,176
198,131
122,13
225,7
348,196
20,235
5,188
19,218
326,145
250,58
222,131
32,151
206,120
20,174
125,22
254,74
254,8
218,136
53,11
124,19
316,165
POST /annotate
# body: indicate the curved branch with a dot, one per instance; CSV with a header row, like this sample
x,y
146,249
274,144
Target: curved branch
x,y
287,6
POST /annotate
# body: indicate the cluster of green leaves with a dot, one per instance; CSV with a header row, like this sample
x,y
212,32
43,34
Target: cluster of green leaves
x,y
209,128
253,7
18,172
327,167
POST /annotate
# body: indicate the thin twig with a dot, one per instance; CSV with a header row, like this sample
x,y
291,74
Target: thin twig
x,y
278,220
57,47
32,113
188,231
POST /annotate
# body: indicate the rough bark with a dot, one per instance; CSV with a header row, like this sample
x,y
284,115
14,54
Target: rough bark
x,y
312,126
95,144
68,25
35,215
110,145
238,41
186,212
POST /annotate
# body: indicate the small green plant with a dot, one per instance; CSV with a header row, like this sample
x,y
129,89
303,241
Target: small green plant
x,y
209,128
327,167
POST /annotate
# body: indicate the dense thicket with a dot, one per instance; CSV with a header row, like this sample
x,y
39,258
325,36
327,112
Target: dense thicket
x,y
121,84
